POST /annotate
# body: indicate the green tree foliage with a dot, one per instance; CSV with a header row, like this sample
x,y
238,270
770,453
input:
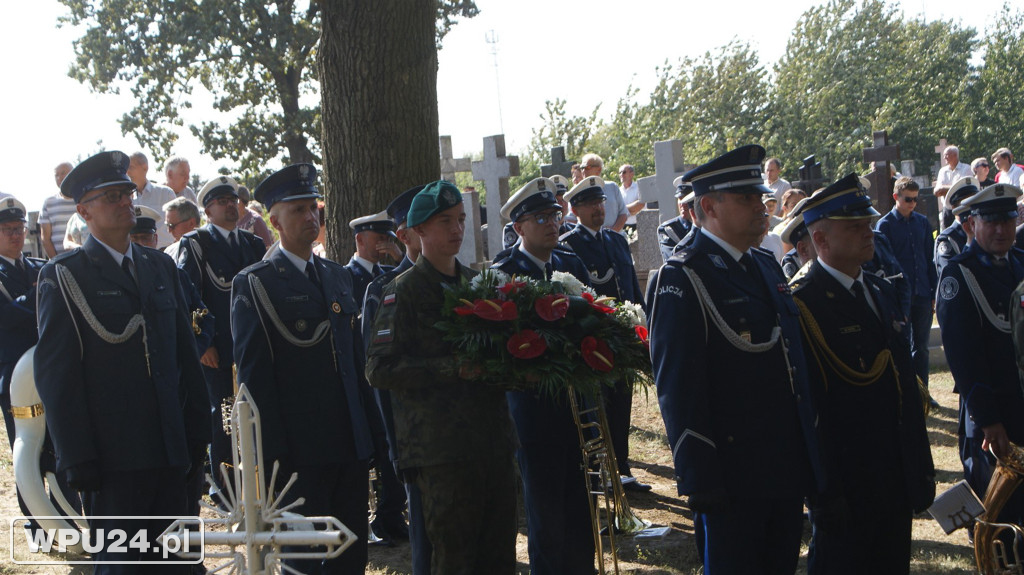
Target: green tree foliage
x,y
253,57
558,128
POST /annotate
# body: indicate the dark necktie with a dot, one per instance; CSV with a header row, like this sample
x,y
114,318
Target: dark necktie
x,y
311,274
233,242
547,270
862,298
19,265
377,270
126,265
996,262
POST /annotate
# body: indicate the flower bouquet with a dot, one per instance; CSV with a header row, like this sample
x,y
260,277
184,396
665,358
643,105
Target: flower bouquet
x,y
520,333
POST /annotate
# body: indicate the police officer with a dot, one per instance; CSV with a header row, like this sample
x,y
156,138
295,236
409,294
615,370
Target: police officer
x,y
878,459
673,231
373,241
212,255
300,353
550,460
454,437
606,255
509,236
952,240
18,330
390,504
795,234
738,398
117,369
973,310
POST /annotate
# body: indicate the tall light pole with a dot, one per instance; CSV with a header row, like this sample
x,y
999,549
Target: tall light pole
x,y
492,39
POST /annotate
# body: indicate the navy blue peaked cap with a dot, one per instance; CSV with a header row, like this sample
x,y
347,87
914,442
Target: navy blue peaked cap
x,y
104,170
737,171
295,182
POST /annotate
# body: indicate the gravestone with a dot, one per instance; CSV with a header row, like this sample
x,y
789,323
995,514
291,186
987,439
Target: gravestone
x,y
907,168
657,191
34,239
646,250
941,147
879,157
451,165
559,165
494,171
472,251
811,177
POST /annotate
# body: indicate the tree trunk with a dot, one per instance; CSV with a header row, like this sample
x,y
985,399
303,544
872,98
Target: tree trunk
x,y
378,81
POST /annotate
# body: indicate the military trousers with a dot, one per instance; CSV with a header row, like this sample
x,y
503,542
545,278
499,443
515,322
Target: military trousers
x,y
470,512
754,536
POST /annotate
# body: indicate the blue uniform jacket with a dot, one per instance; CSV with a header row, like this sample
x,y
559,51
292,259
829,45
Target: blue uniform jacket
x,y
950,242
608,262
860,422
103,403
212,265
300,353
540,419
362,278
671,233
17,315
980,354
911,241
204,339
728,411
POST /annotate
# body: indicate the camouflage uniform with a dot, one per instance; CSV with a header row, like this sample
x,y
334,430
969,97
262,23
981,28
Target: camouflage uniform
x,y
454,437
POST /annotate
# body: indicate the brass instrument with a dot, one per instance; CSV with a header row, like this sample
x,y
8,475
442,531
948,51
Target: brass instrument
x,y
990,552
598,454
197,315
228,403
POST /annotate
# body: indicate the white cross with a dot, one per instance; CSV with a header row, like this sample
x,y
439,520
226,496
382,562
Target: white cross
x,y
668,165
495,170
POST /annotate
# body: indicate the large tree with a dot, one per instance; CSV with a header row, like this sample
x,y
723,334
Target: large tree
x,y
254,57
380,126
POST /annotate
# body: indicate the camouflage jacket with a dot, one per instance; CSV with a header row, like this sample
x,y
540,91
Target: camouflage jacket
x,y
439,417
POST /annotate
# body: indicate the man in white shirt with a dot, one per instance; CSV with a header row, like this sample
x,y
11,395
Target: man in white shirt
x,y
615,207
630,193
150,195
948,175
1009,172
53,219
177,172
778,186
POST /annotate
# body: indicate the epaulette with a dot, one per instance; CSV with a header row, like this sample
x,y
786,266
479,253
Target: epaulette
x,y
763,251
566,235
564,249
256,267
66,255
681,257
502,261
39,261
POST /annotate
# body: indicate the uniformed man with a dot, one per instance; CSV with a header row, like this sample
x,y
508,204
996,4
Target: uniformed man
x,y
212,255
737,398
673,231
550,461
973,310
878,459
606,255
300,353
374,235
952,240
18,331
117,369
390,505
454,437
795,234
509,236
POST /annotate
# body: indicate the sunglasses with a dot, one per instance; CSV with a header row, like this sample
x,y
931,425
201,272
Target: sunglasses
x,y
909,200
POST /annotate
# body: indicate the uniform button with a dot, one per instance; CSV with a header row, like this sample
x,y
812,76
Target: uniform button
x,y
786,341
728,439
798,398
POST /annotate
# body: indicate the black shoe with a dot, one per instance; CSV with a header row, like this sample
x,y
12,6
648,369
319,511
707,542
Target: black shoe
x,y
934,404
390,528
632,484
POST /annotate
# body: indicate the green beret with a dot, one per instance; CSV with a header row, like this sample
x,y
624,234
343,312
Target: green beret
x,y
433,199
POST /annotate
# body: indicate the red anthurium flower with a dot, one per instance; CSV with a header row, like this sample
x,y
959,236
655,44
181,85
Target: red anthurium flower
x,y
466,309
511,287
598,304
641,332
495,310
597,354
526,344
552,307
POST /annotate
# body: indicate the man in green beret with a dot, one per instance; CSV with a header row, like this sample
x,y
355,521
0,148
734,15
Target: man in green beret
x,y
454,435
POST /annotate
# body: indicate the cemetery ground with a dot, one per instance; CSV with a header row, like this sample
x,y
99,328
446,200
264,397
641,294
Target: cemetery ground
x,y
933,551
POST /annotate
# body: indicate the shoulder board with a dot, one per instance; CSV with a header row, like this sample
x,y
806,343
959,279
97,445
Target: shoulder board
x,y
681,257
561,248
67,255
762,252
966,255
566,235
39,261
258,266
501,262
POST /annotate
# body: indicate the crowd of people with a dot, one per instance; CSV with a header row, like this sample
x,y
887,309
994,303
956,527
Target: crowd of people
x,y
788,335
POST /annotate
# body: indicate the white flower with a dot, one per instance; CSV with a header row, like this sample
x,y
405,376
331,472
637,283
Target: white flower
x,y
589,290
572,285
633,312
488,279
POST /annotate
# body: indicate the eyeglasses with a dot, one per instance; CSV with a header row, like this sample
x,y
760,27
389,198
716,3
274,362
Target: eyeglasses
x,y
225,201
13,232
112,196
171,226
549,217
909,199
982,165
592,202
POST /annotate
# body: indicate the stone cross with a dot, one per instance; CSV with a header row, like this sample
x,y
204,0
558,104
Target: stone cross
x,y
449,164
881,181
646,249
559,165
657,190
472,251
811,177
941,147
494,171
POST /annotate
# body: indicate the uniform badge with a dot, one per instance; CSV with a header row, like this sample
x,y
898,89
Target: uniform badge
x,y
948,288
336,307
300,325
745,336
389,299
1022,301
718,261
943,248
784,288
829,294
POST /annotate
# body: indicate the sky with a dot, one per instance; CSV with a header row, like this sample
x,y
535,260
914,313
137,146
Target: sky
x,y
586,53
